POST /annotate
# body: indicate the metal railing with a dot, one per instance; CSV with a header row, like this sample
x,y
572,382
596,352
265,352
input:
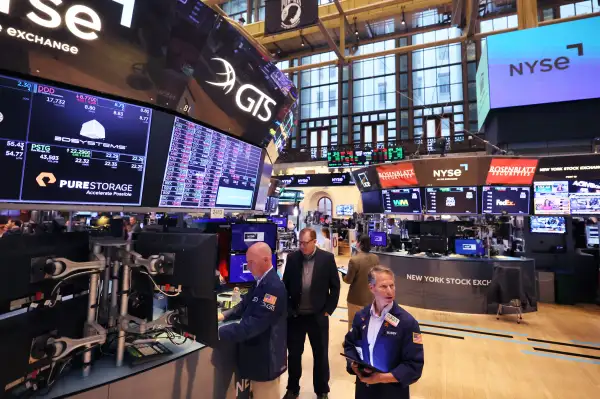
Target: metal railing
x,y
460,142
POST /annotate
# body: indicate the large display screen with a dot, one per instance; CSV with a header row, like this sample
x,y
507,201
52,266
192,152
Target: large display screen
x,y
371,202
66,147
238,269
402,200
243,236
207,169
344,210
551,198
548,64
544,224
451,200
351,157
512,200
584,197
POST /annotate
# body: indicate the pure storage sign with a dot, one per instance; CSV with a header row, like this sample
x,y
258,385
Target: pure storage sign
x,y
44,17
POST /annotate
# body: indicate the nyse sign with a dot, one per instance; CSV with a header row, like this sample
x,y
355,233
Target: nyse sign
x,y
80,20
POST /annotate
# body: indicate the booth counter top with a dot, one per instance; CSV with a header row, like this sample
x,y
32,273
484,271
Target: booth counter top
x,y
455,283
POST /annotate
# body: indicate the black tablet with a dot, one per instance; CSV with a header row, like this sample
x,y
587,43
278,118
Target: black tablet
x,y
362,364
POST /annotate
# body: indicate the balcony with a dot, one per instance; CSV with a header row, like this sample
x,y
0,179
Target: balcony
x,y
460,142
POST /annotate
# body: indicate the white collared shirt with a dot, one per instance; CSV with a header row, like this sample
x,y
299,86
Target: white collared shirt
x,y
375,323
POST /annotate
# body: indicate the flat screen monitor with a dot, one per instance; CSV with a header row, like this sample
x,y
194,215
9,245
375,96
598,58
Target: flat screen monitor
x,y
469,247
378,239
591,236
243,236
207,169
451,200
548,224
512,200
371,202
281,222
344,210
551,198
435,244
264,186
585,203
402,201
67,147
238,269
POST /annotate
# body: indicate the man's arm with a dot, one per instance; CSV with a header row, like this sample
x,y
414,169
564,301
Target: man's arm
x,y
352,269
238,310
413,357
351,342
267,311
287,277
334,287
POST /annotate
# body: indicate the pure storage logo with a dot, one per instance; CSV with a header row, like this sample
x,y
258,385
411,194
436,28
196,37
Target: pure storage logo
x,y
511,171
91,188
397,175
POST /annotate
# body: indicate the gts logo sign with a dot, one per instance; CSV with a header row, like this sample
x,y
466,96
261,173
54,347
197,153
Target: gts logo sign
x,y
546,64
80,20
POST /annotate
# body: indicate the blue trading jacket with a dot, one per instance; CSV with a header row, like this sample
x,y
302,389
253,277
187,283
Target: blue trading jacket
x,y
398,350
262,332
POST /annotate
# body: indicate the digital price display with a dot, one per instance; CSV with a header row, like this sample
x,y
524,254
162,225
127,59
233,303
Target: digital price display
x,y
69,147
512,200
402,200
336,159
207,169
451,200
551,198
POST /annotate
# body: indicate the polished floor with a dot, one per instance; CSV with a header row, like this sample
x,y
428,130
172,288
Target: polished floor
x,y
478,357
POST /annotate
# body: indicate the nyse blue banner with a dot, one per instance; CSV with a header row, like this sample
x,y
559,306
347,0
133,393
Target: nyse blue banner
x,y
553,63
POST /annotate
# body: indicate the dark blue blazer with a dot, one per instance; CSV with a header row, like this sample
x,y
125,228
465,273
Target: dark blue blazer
x,y
398,350
262,332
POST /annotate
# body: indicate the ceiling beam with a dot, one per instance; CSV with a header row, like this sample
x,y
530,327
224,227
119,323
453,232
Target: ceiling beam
x,y
340,9
330,41
369,30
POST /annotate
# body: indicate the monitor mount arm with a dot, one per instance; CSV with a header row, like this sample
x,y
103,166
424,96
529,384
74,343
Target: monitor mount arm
x,y
154,264
134,325
59,268
59,348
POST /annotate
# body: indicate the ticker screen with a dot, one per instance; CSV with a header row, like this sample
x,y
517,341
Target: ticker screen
x,y
206,169
451,200
551,198
512,200
402,200
62,146
336,159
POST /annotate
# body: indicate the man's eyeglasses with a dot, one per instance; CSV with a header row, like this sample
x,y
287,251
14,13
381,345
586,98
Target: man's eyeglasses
x,y
305,242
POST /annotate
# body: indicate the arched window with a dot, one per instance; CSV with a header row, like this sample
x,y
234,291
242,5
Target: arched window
x,y
324,206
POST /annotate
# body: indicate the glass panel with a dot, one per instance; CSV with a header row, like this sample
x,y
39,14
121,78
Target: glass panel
x,y
445,122
368,129
380,133
324,138
313,138
430,127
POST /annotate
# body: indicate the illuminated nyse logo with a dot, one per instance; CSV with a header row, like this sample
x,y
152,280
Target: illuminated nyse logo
x,y
338,180
546,64
249,104
80,20
291,11
450,173
304,180
505,202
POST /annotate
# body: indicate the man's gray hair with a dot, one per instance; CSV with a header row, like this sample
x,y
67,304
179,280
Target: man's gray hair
x,y
379,269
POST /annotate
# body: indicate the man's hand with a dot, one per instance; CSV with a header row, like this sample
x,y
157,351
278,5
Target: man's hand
x,y
354,367
221,317
377,378
326,314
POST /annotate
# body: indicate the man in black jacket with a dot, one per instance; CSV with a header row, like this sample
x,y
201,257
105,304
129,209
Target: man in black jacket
x,y
313,285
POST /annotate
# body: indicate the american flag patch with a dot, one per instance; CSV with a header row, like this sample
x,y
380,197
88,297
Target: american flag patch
x,y
270,299
417,338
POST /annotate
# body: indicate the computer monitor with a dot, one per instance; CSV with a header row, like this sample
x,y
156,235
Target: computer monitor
x,y
591,236
413,228
435,244
281,222
244,235
238,269
469,247
396,241
378,239
548,224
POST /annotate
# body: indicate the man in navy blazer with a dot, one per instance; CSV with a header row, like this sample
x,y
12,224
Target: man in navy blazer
x,y
388,338
262,332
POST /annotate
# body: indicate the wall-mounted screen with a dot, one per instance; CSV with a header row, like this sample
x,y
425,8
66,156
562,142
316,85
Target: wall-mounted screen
x,y
591,236
207,169
243,236
371,202
352,157
378,238
344,210
238,269
61,146
548,224
512,200
469,246
551,198
585,204
451,200
402,200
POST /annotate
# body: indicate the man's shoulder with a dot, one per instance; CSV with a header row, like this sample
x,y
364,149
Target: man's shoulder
x,y
364,312
405,318
325,254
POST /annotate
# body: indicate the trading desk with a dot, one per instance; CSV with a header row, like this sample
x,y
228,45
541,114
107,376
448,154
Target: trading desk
x,y
453,283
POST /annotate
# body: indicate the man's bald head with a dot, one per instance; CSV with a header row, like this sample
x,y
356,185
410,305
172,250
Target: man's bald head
x,y
259,258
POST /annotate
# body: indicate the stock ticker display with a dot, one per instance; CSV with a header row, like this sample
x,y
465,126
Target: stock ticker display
x,y
451,200
66,147
336,159
207,169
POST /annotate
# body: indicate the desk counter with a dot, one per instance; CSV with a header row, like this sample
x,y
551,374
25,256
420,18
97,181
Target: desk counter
x,y
453,283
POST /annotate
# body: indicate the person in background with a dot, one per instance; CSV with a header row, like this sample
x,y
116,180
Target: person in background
x,y
135,225
359,294
387,337
313,285
261,333
2,230
326,240
13,227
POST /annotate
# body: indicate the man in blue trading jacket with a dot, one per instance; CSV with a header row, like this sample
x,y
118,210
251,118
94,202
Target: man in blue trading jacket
x,y
386,337
262,332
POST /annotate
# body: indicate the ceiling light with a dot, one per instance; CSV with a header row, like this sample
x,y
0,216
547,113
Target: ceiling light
x,y
403,19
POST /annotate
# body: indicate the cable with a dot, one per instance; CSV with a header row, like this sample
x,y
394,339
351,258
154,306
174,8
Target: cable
x,y
158,288
70,277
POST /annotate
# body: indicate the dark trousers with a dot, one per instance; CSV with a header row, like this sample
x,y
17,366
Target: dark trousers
x,y
317,328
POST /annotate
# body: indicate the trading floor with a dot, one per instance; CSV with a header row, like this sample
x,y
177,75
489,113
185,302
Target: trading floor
x,y
477,356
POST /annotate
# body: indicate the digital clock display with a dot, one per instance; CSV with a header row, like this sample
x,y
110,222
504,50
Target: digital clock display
x,y
66,147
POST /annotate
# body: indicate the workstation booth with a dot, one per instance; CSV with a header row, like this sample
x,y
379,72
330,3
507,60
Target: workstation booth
x,y
467,234
124,108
